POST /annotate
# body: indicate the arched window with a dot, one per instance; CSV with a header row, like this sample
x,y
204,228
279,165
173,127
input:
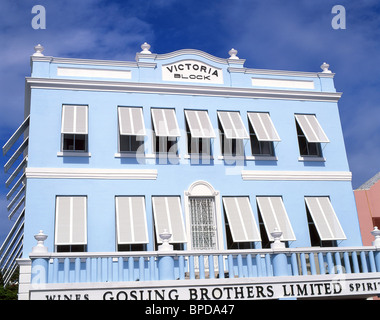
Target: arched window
x,y
203,217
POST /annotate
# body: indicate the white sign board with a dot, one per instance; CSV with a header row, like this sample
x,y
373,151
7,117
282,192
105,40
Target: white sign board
x,y
192,71
218,289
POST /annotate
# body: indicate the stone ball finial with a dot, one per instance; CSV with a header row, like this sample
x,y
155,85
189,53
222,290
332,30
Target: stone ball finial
x,y
325,68
145,48
38,50
233,53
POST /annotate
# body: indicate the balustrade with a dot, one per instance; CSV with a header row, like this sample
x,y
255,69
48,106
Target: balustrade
x,y
202,264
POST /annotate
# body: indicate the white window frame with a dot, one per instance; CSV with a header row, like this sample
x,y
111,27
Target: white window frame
x,y
204,189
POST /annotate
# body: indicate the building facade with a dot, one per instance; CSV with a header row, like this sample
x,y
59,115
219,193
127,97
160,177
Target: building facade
x,y
219,156
367,198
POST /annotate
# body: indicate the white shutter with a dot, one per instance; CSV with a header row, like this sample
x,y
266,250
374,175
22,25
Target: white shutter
x,y
71,220
263,126
325,218
241,220
311,128
168,215
165,123
74,119
131,121
131,221
199,124
274,216
232,124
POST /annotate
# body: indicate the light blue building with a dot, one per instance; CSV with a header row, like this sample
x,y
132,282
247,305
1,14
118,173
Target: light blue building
x,y
218,155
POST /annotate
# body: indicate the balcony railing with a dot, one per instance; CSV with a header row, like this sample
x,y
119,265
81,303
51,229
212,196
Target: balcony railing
x,y
192,265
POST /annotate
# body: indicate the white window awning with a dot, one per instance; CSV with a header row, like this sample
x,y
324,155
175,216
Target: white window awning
x,y
232,124
199,124
131,223
274,216
241,220
311,128
131,121
71,220
325,218
263,126
74,119
165,123
168,216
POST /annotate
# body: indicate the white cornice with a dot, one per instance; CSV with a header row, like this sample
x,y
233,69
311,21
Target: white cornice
x,y
296,175
82,173
164,88
178,53
92,62
286,73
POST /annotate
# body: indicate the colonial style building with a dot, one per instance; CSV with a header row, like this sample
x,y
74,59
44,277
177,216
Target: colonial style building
x,y
184,176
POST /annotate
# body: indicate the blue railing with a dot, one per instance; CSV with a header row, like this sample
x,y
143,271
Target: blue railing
x,y
193,265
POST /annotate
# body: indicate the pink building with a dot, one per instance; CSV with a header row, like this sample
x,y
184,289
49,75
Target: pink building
x,y
367,198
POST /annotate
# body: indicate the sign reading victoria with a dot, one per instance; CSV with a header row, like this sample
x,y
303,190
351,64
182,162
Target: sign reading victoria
x,y
192,71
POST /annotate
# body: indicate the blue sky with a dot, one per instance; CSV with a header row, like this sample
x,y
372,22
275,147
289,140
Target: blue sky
x,y
270,34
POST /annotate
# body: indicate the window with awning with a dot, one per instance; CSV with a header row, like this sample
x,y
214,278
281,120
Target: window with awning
x,y
263,126
274,216
232,133
165,123
131,121
232,124
166,130
311,128
325,219
74,128
131,129
74,120
199,132
71,220
241,221
168,216
131,223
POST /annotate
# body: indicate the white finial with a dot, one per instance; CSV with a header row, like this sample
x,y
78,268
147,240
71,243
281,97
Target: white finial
x,y
376,233
276,234
40,247
325,67
165,237
145,46
232,54
38,51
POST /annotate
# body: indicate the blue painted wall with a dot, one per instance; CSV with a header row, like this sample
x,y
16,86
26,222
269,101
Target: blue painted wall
x,y
174,179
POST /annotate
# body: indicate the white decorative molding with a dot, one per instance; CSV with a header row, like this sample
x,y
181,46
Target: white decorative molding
x,y
311,159
282,83
182,52
73,154
94,73
92,62
296,175
164,88
79,173
287,73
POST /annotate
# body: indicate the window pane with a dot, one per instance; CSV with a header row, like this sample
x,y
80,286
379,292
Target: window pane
x,y
68,142
80,142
